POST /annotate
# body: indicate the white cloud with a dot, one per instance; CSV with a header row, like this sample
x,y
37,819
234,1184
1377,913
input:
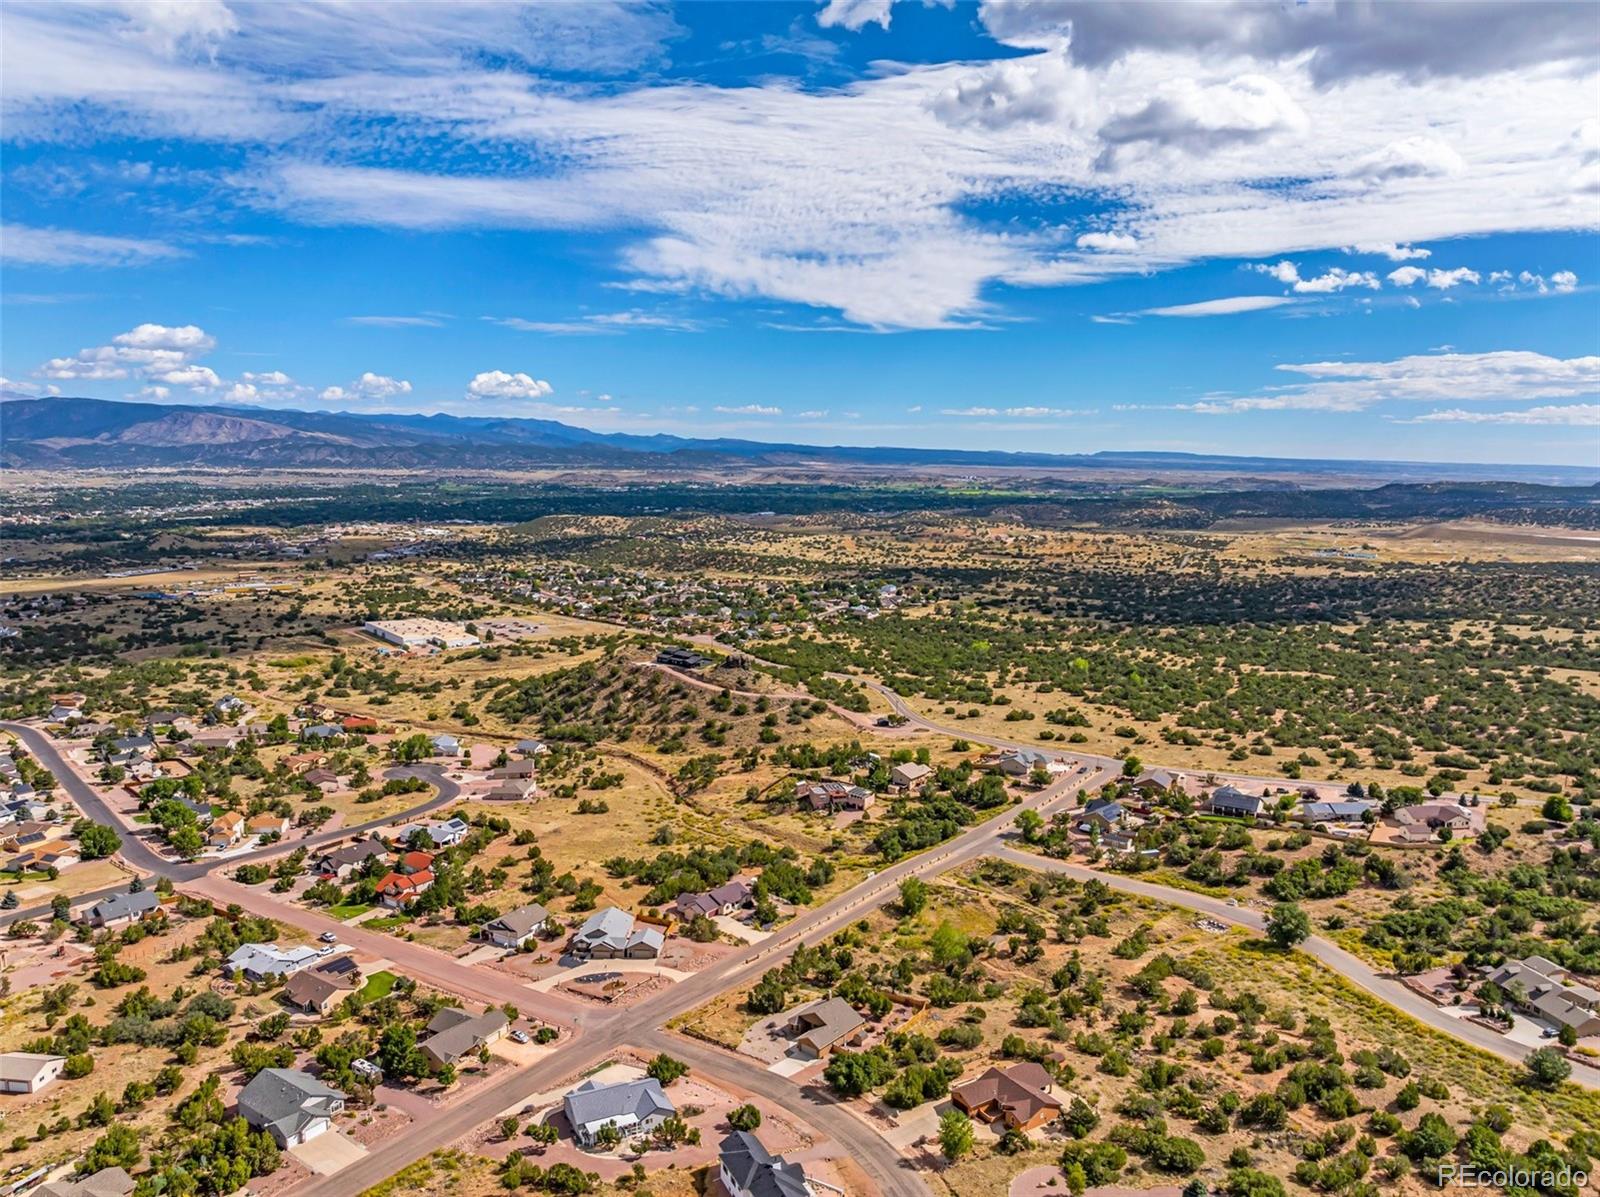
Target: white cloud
x,y
969,411
1108,242
1505,375
156,352
1409,158
33,390
1231,306
395,321
1388,249
159,394
1199,119
1564,280
368,386
1439,280
1044,90
602,323
751,409
271,378
241,392
497,384
1586,415
854,14
811,415
62,247
185,338
1335,279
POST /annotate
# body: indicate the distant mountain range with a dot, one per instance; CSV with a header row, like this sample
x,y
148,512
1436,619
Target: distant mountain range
x,y
71,433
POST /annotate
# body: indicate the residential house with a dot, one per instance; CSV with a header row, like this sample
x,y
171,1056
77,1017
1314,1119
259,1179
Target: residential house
x,y
445,745
1157,781
320,731
108,1182
610,934
325,780
313,992
222,739
820,1026
1235,803
513,770
531,748
453,1033
226,830
260,961
121,909
291,1106
747,1169
633,1107
1333,814
398,890
724,899
516,927
1020,1097
230,706
342,969
681,658
513,789
1102,815
908,774
1021,762
352,858
1543,989
267,824
1426,820
359,725
28,1072
833,796
67,706
445,833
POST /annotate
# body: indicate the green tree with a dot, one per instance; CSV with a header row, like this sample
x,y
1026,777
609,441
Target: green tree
x,y
955,1135
1287,925
95,840
913,896
117,1148
1546,1067
665,1069
745,1118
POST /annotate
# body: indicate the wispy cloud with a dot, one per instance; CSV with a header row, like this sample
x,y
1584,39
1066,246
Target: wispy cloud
x,y
1233,305
396,321
25,244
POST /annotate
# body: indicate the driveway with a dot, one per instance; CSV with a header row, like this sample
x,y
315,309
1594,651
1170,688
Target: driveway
x,y
328,1153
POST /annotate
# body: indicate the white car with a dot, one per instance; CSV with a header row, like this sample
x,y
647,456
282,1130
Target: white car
x,y
329,937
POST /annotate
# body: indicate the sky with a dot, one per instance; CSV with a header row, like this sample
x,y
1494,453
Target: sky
x,y
1318,229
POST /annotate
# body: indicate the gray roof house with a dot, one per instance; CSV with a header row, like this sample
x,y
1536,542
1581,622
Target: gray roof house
x,y
610,934
445,744
633,1107
1230,800
1352,811
1544,989
748,1169
453,1033
341,862
516,927
1102,814
289,1105
120,908
108,1182
822,1025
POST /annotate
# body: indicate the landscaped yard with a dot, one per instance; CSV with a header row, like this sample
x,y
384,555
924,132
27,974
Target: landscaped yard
x,y
345,912
378,986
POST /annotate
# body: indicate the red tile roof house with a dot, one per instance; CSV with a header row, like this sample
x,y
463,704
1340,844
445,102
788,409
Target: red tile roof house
x,y
398,890
359,723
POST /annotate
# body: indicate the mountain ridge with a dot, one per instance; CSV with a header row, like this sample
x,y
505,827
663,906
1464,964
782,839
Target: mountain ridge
x,y
82,433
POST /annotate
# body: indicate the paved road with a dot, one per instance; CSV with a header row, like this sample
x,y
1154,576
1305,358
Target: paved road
x,y
1351,967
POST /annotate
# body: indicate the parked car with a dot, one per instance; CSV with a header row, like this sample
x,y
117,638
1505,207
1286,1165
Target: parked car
x,y
519,1037
329,937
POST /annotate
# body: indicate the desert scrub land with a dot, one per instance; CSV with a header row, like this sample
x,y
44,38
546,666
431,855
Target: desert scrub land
x,y
1176,1050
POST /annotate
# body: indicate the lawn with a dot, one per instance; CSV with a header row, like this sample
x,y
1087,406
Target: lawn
x,y
387,924
348,911
378,986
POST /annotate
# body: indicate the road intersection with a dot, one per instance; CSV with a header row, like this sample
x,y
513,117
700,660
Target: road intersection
x,y
590,1036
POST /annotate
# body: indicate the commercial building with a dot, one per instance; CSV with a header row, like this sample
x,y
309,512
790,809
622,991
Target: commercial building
x,y
420,633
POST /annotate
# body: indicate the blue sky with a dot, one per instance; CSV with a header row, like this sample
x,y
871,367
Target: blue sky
x,y
1039,224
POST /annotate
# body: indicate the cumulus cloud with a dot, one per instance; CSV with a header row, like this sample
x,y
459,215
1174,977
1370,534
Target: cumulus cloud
x,y
1388,249
854,14
156,352
1108,242
1335,279
1444,39
368,386
24,244
1409,158
32,390
1439,280
498,384
271,378
1025,91
1199,119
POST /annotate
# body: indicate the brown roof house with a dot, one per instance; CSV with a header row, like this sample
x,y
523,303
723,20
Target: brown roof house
x,y
453,1033
1020,1097
825,1024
